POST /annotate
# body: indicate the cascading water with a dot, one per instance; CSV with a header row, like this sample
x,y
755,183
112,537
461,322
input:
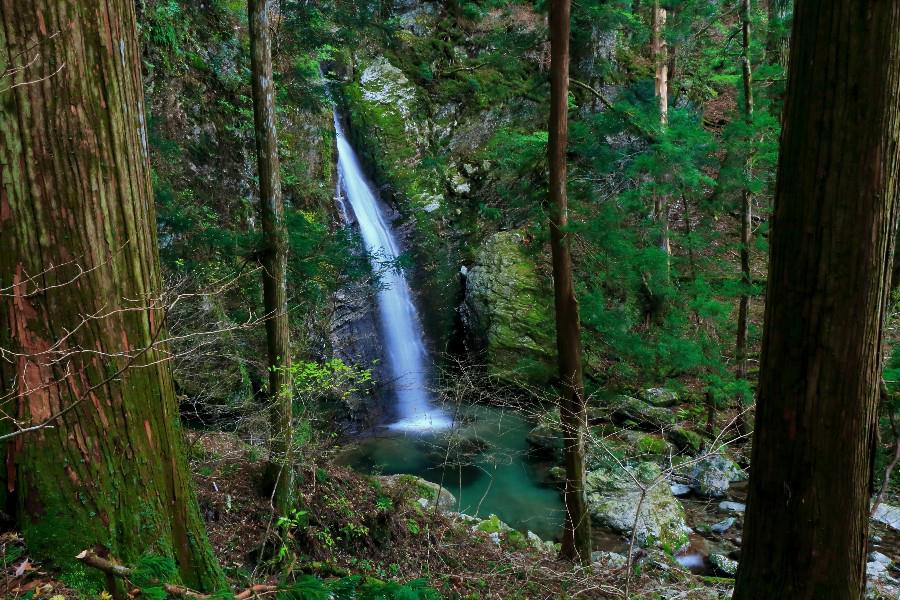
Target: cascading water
x,y
402,336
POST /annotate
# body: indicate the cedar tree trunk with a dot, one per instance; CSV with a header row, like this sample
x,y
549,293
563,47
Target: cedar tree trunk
x,y
81,319
274,255
577,533
832,237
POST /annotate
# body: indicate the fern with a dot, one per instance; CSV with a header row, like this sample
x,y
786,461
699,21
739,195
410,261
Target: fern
x,y
151,570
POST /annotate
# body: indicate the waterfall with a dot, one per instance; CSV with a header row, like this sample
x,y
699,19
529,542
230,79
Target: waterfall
x,y
402,336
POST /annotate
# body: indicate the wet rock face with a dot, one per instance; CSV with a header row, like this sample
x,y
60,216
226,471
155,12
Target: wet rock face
x,y
355,339
507,314
614,497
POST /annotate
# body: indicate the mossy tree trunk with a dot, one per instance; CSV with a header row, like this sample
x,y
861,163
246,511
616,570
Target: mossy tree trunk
x,y
573,411
807,523
273,256
81,326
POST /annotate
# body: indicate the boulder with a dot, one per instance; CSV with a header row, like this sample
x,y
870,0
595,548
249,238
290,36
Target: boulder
x,y
880,583
626,408
723,525
713,475
507,312
660,397
646,443
685,439
540,545
545,436
888,515
431,493
613,498
728,506
609,560
679,489
723,564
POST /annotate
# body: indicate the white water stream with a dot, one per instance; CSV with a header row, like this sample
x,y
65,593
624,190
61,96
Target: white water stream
x,y
402,335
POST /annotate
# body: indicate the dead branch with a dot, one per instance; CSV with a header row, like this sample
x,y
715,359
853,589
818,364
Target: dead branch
x,y
90,558
630,118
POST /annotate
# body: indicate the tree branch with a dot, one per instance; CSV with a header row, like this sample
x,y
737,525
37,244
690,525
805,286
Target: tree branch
x,y
90,558
629,117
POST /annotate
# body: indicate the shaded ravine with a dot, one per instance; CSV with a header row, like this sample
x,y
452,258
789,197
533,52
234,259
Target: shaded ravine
x,y
401,331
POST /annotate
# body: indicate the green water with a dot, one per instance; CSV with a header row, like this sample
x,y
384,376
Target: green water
x,y
485,461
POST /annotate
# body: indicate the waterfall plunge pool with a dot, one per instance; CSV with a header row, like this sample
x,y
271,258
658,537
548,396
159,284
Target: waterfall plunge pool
x,y
484,460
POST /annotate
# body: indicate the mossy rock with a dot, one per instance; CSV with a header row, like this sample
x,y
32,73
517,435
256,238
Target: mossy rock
x,y
508,312
660,397
685,439
614,500
652,444
493,524
626,410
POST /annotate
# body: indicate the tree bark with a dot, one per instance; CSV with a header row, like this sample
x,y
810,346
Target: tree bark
x,y
832,237
746,219
82,324
274,257
576,542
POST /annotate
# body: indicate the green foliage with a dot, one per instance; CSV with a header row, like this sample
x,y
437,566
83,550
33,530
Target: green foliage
x,y
163,27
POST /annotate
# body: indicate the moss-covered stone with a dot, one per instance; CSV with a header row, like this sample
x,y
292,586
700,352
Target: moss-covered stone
x,y
614,500
685,439
626,408
508,311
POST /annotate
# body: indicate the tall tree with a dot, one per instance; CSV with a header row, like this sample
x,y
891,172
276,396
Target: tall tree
x,y
573,411
832,238
83,363
273,255
660,51
746,213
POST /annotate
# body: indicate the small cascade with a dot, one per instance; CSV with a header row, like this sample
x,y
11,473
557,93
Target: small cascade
x,y
401,330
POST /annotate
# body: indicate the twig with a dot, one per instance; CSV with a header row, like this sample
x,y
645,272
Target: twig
x,y
90,558
890,468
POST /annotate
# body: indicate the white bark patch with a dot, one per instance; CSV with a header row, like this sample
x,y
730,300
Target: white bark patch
x,y
122,50
142,130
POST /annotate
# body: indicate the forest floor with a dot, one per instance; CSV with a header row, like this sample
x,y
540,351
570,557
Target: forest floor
x,y
362,525
352,524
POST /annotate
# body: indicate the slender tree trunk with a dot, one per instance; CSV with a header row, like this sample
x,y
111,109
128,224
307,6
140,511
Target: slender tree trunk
x,y
660,51
832,236
577,533
776,36
274,255
82,321
746,219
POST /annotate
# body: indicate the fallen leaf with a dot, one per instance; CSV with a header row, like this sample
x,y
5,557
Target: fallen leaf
x,y
25,566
